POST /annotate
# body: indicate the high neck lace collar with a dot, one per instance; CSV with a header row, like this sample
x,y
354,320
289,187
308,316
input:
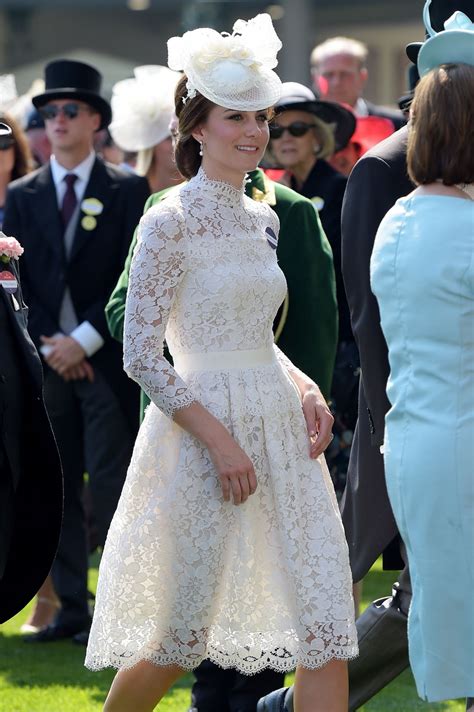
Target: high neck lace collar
x,y
221,189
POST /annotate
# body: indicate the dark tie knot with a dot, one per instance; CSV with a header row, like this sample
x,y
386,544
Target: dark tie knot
x,y
70,179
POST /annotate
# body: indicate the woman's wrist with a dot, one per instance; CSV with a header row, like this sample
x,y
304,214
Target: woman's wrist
x,y
307,386
200,423
213,435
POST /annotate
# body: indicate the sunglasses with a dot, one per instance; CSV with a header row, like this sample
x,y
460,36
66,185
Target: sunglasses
x,y
70,111
6,142
297,128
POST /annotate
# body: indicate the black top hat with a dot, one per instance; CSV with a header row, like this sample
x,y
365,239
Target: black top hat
x,y
295,96
440,11
68,79
413,79
4,130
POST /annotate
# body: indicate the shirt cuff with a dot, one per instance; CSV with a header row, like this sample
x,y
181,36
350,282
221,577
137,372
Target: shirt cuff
x,y
87,337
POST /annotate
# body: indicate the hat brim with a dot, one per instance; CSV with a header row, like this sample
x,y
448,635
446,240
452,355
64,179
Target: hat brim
x,y
448,47
94,100
413,50
343,119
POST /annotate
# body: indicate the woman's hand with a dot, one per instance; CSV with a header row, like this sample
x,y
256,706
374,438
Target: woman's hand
x,y
319,420
234,467
235,470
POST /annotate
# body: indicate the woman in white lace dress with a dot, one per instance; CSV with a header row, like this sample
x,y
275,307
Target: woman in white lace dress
x,y
186,574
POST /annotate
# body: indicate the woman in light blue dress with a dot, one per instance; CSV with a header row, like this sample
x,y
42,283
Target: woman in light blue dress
x,y
422,273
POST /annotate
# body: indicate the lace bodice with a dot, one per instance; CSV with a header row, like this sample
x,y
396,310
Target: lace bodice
x,y
205,277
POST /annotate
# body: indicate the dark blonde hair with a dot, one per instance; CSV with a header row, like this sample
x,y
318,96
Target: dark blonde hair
x,y
440,145
190,115
23,163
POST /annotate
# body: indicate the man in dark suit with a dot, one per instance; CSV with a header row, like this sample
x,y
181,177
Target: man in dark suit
x,y
339,70
75,217
30,470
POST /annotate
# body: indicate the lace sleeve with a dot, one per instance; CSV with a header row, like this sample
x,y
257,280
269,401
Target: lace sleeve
x,y
158,266
285,361
290,366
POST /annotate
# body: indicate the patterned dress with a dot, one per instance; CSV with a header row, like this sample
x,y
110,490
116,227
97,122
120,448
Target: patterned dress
x,y
185,575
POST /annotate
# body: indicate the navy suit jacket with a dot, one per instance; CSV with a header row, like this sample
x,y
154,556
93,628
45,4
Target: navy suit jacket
x,y
94,266
395,116
376,182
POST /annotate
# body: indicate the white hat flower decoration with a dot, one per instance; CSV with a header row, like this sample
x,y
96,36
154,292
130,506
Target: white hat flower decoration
x,y
232,70
142,107
453,45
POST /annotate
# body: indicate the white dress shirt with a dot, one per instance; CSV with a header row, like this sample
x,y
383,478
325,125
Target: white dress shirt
x,y
85,334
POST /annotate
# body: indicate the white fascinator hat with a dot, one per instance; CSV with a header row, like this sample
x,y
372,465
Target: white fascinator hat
x,y
142,107
231,70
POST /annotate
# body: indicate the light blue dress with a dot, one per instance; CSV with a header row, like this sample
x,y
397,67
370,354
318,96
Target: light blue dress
x,y
422,273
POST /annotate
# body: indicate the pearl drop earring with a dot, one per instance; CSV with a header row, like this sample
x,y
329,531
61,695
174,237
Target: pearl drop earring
x,y
200,148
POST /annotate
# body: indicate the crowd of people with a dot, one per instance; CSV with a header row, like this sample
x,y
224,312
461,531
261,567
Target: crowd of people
x,y
248,307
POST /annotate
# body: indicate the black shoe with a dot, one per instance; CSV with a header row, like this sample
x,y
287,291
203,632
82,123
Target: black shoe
x,y
277,701
81,638
53,633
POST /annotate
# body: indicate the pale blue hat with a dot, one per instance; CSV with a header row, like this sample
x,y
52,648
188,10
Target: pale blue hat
x,y
454,45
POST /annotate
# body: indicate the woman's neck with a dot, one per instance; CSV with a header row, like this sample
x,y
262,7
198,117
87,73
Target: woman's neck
x,y
301,170
222,174
159,180
439,188
5,179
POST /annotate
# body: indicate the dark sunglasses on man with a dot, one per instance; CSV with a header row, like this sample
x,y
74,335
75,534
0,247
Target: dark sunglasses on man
x,y
70,110
6,142
297,128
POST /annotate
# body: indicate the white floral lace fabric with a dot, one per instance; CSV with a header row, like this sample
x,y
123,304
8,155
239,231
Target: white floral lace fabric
x,y
184,575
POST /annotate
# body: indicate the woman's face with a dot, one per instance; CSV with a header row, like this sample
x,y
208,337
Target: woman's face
x,y
292,151
233,141
164,156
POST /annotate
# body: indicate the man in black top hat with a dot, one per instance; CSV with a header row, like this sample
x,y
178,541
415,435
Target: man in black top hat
x,y
30,470
75,217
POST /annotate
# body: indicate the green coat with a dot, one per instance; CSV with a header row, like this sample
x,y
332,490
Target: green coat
x,y
306,325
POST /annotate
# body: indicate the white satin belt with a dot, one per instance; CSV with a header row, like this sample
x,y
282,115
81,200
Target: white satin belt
x,y
224,360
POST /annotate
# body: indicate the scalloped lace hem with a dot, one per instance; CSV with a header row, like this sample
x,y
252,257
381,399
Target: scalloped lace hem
x,y
224,661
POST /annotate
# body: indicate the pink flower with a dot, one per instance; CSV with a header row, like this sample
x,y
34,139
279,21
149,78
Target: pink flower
x,y
10,248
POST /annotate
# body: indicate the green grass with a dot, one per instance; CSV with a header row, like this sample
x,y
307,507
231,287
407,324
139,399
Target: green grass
x,y
52,678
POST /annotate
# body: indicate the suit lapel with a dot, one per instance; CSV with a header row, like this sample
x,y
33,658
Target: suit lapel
x,y
102,188
44,204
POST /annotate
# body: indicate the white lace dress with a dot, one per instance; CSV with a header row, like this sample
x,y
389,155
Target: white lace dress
x,y
185,575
